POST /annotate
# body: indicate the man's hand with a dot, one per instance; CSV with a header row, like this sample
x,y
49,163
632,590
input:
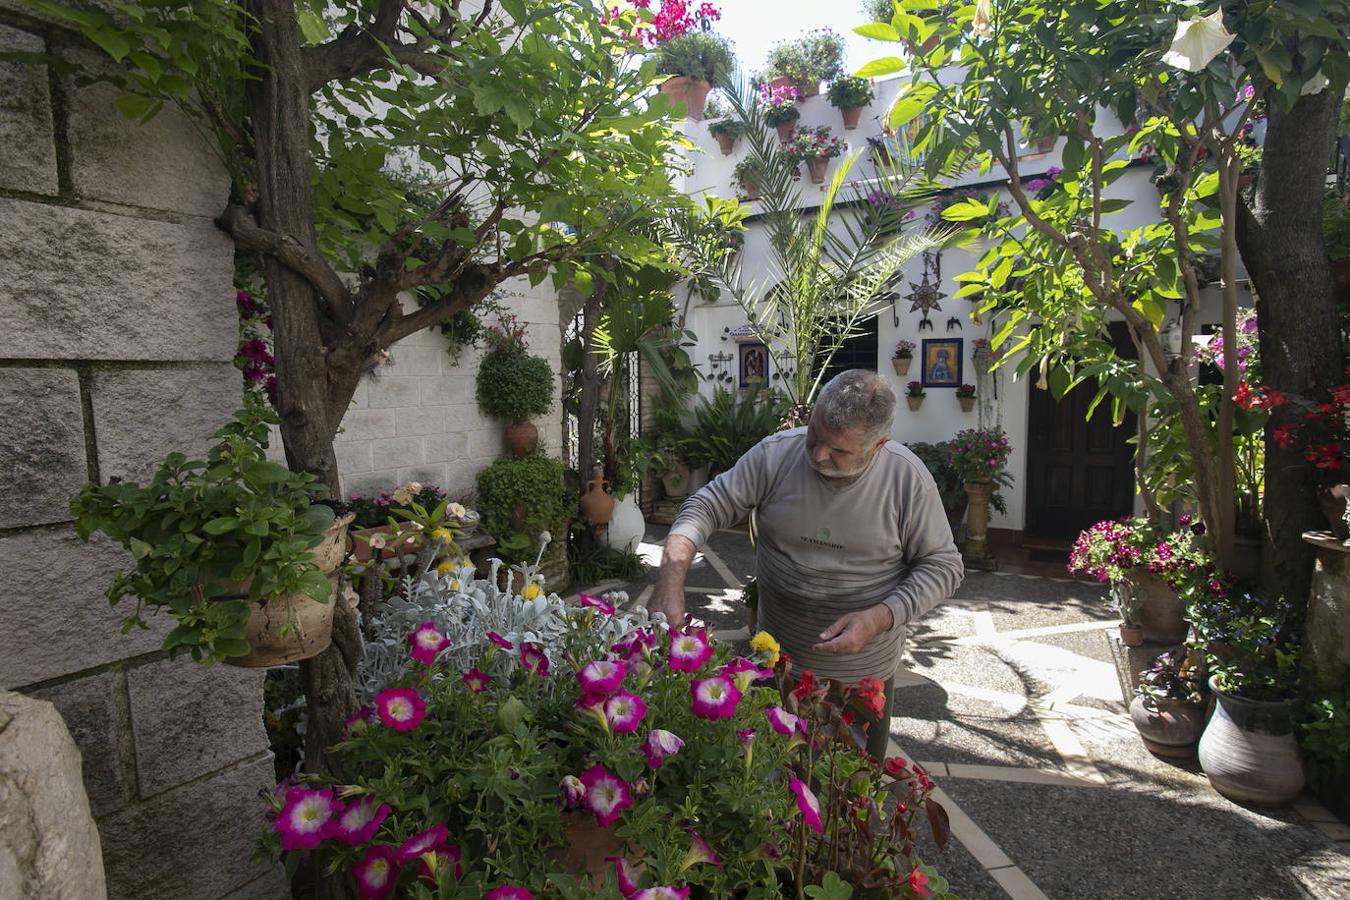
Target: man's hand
x,y
852,631
669,599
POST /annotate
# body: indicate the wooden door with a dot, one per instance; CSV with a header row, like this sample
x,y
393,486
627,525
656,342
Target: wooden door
x,y
1079,470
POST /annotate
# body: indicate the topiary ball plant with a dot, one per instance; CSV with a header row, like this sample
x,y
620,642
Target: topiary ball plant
x,y
514,385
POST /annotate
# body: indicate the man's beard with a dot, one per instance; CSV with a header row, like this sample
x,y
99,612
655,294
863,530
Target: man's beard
x,y
829,470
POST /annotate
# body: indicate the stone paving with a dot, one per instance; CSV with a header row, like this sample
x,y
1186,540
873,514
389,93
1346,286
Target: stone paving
x,y
1012,702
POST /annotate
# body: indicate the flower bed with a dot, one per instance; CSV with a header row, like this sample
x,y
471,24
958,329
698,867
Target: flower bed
x,y
485,756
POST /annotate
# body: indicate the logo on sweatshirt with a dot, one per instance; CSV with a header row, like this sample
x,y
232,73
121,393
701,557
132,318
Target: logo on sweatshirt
x,y
822,539
823,534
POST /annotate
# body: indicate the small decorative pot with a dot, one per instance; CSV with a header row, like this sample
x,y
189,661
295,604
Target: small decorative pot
x,y
1168,727
521,438
596,505
693,93
817,166
851,117
1131,635
786,130
1248,750
967,403
1163,615
726,141
914,403
901,364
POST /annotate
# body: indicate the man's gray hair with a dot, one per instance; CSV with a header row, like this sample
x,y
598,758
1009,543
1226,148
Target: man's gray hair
x,y
860,399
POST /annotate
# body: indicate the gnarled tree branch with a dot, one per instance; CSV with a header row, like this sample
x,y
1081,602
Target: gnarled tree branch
x,y
305,261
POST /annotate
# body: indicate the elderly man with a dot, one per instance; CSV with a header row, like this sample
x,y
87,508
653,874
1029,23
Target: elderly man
x,y
853,543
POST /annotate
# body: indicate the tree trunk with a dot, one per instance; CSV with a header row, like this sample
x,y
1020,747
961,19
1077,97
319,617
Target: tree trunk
x,y
1280,236
589,401
279,106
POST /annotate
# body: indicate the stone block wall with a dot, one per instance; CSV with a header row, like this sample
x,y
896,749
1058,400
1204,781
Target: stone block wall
x,y
117,330
416,419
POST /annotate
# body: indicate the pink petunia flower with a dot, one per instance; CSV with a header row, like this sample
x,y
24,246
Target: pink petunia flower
x,y
784,722
534,659
427,643
359,822
376,873
597,603
665,892
715,697
627,886
427,841
509,892
602,676
443,855
744,672
402,709
360,720
688,652
624,712
746,736
658,745
699,852
476,680
304,818
607,795
574,792
500,641
808,804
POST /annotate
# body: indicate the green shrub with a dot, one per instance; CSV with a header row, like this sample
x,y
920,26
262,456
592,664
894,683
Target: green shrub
x,y
514,385
726,426
733,127
879,10
848,92
816,56
952,490
534,482
700,55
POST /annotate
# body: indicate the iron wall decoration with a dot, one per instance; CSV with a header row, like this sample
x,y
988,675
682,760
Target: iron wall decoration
x,y
941,362
925,296
754,365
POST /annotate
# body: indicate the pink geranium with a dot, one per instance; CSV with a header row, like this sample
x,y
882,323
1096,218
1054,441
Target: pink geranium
x,y
427,643
602,676
597,603
402,709
509,892
534,659
715,697
808,804
607,795
658,745
376,873
359,822
688,652
476,680
428,841
624,712
304,818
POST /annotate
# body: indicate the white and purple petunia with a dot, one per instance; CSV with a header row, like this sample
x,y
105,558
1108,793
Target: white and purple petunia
x,y
699,852
624,712
784,722
744,672
658,745
627,886
715,697
428,841
402,709
602,605
602,676
427,643
476,680
533,658
808,804
574,792
376,873
688,652
442,855
359,822
500,641
607,795
303,820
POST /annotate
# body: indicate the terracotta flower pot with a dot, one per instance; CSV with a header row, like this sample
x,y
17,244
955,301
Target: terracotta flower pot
x,y
1248,750
901,364
693,93
786,130
914,403
781,81
808,88
750,189
851,117
1168,727
1131,635
596,505
521,438
726,141
967,403
1163,616
817,166
977,517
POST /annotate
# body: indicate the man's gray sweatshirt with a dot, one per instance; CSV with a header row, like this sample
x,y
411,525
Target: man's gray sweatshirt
x,y
826,547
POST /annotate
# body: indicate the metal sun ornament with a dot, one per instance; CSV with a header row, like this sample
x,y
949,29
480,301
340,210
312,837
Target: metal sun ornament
x,y
925,297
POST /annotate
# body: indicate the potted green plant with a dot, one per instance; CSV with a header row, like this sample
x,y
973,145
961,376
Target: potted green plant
x,y
816,56
1248,750
780,108
937,459
816,148
521,497
726,425
1168,707
980,457
515,385
965,395
695,61
727,130
850,94
747,176
914,394
1128,598
901,356
230,547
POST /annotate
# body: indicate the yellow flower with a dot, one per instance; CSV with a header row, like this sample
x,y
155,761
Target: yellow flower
x,y
449,567
532,591
443,534
763,642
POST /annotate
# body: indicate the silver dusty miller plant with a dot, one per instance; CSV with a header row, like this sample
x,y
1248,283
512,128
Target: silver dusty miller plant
x,y
465,609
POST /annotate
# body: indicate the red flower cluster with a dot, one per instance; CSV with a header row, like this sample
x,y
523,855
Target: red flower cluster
x,y
1324,431
673,19
1261,398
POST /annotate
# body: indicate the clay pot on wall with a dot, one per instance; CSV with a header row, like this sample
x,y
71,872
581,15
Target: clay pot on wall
x,y
901,364
725,141
1248,750
786,130
693,93
967,403
914,403
521,438
851,117
817,166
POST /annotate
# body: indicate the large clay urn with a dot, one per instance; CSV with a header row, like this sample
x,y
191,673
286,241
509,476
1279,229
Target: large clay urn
x,y
596,505
521,438
1248,750
1168,727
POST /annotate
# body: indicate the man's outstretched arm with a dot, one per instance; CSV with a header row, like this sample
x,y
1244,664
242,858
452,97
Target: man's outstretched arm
x,y
669,594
